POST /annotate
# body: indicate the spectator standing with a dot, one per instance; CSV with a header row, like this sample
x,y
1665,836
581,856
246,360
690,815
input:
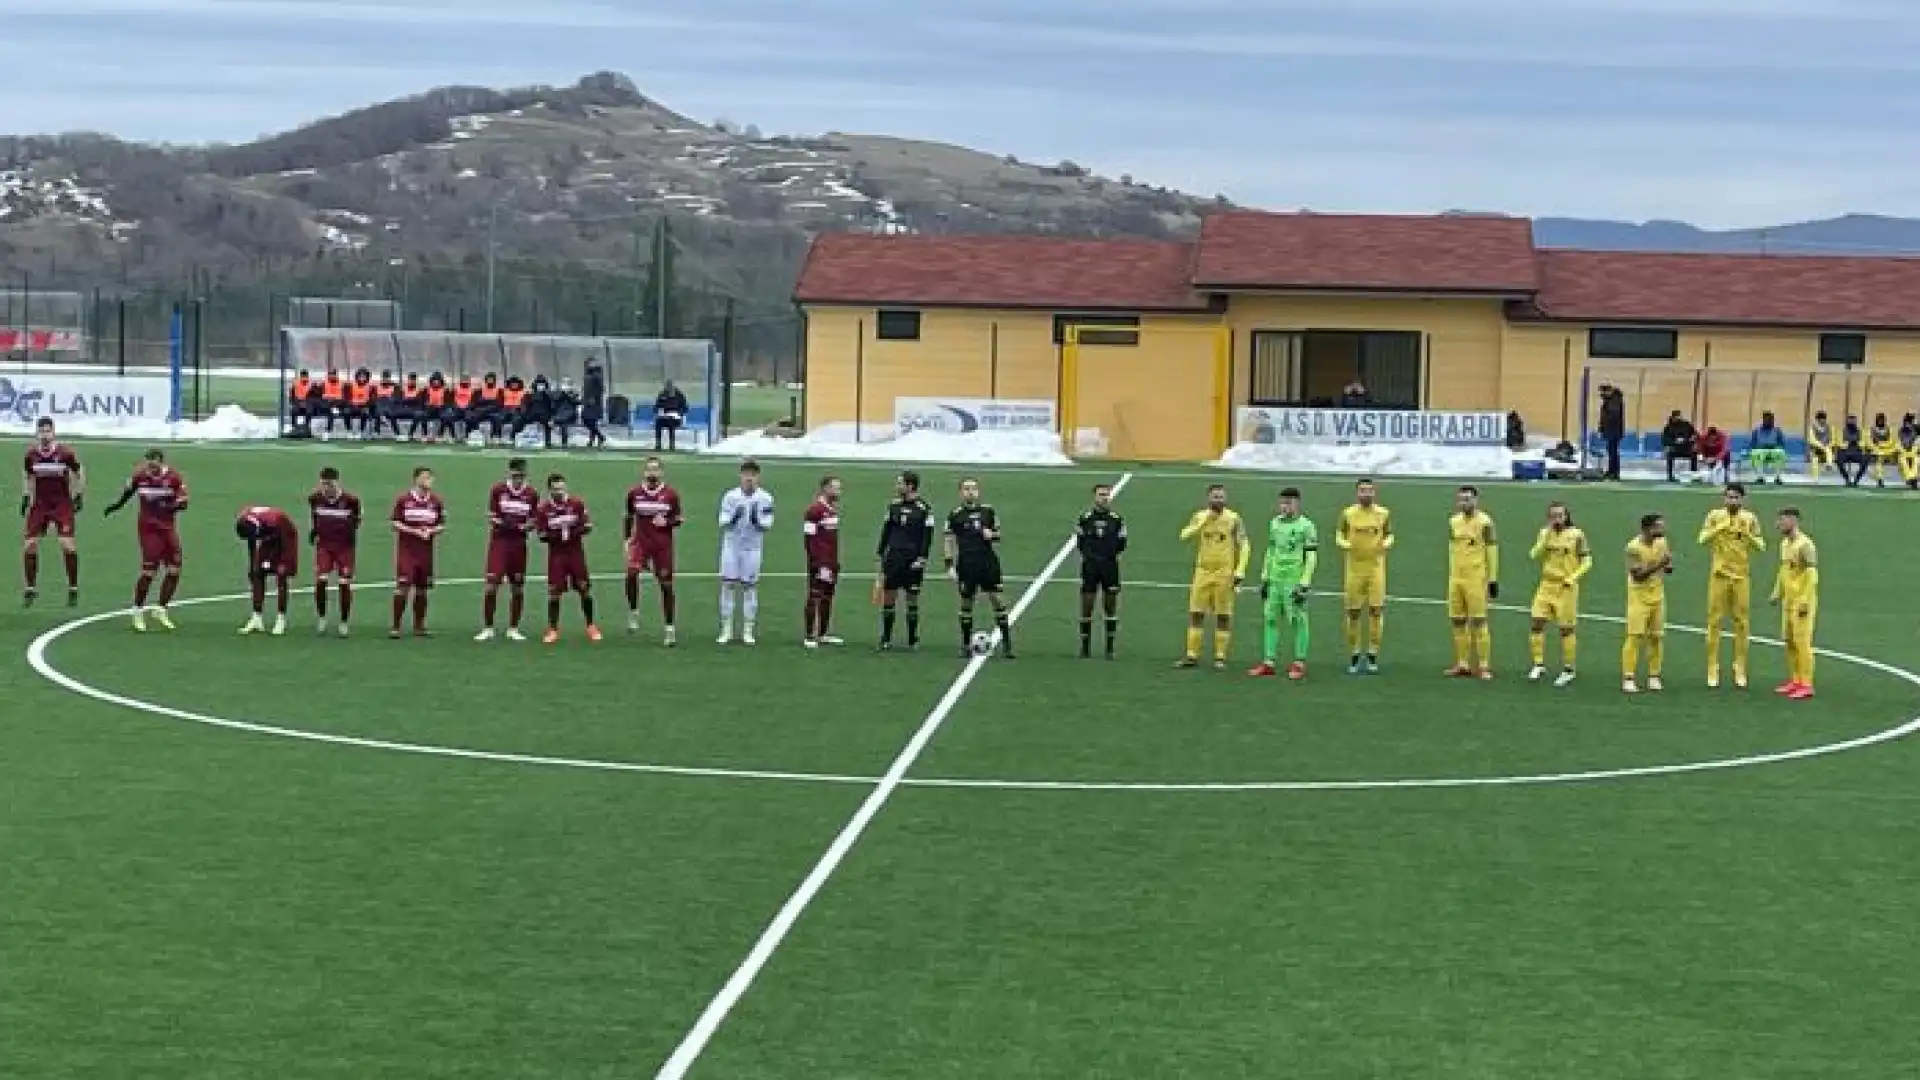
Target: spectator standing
x,y
1613,425
669,412
1677,440
593,404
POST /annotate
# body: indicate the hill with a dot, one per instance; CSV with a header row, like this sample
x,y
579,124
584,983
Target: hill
x,y
565,187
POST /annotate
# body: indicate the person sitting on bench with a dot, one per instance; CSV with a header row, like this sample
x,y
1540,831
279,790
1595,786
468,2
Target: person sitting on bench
x,y
1851,457
1677,439
1767,450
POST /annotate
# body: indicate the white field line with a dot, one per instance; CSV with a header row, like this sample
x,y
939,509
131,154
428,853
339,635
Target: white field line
x,y
696,1040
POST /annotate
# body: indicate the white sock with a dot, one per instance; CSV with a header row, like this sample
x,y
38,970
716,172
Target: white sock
x,y
752,602
726,603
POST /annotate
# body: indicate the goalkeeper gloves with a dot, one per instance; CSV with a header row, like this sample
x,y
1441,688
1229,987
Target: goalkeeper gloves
x,y
1493,590
79,503
1301,592
1263,590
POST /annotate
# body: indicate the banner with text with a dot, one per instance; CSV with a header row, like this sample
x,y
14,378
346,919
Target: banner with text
x,y
83,403
1363,427
963,416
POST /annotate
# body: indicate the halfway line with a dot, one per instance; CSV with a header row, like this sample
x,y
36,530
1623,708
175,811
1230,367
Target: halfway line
x,y
715,1014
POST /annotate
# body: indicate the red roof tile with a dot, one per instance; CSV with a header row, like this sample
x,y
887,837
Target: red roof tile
x,y
1814,291
1366,252
998,271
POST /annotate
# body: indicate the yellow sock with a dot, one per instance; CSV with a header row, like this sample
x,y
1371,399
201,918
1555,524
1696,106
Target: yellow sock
x,y
1630,656
1459,646
1656,652
1806,663
1194,637
1222,642
1713,643
1537,647
1353,631
1376,627
1483,644
1569,648
1740,642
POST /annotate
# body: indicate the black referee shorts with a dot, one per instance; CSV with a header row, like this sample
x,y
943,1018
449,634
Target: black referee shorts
x,y
897,574
976,577
1099,575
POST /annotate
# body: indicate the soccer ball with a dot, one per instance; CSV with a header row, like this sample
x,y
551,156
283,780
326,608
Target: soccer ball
x,y
981,643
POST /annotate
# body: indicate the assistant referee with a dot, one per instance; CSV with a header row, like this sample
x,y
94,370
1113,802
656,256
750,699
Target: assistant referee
x,y
1101,536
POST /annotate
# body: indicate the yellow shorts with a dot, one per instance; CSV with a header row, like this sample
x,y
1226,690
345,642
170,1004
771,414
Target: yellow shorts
x,y
1795,626
1646,618
1466,599
1366,587
1211,593
1728,598
1557,604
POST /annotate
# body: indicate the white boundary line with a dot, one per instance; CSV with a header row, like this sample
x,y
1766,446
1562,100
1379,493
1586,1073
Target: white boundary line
x,y
695,1042
37,659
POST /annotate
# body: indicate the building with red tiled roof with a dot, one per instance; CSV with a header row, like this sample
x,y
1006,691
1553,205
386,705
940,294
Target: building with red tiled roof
x,y
1143,346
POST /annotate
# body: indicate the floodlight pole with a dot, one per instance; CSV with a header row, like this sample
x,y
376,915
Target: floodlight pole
x,y
493,224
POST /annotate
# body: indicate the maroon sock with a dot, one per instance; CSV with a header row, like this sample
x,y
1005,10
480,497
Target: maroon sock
x,y
586,607
140,587
320,597
258,586
32,559
169,585
633,591
812,613
346,601
72,559
516,606
553,612
399,608
281,589
419,610
666,602
489,603
826,612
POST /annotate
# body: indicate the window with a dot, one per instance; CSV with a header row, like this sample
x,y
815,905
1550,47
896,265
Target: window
x,y
897,325
1632,343
1098,329
1843,348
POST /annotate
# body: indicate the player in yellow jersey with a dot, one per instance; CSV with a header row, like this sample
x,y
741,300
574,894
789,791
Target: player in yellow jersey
x,y
1797,592
1731,535
1564,558
1883,446
1365,534
1473,579
1219,566
1649,561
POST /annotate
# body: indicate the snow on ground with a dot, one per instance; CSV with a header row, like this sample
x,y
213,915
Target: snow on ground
x,y
229,423
1383,459
877,442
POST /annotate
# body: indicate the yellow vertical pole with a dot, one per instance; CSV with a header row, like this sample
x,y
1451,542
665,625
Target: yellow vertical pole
x,y
1222,389
1069,389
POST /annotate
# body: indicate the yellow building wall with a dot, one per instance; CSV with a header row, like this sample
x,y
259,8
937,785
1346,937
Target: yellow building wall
x,y
1463,337
1154,401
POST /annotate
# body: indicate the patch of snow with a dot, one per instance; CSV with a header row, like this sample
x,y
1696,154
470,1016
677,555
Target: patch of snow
x,y
349,216
467,174
1379,459
878,442
229,423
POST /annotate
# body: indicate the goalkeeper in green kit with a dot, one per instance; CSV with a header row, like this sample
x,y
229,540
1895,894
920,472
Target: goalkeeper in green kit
x,y
1286,583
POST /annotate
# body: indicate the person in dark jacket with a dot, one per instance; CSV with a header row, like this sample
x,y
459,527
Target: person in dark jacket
x,y
593,405
669,412
539,409
1851,456
566,410
1613,425
1677,441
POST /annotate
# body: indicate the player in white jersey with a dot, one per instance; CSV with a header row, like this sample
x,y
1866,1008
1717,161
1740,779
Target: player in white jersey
x,y
746,513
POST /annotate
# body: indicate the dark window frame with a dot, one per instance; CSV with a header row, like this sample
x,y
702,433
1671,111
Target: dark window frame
x,y
1106,329
1617,351
1852,355
886,324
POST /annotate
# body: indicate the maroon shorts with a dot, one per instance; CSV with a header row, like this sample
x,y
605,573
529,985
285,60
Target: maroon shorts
x,y
41,518
567,570
822,580
277,560
159,548
333,560
506,561
655,557
412,571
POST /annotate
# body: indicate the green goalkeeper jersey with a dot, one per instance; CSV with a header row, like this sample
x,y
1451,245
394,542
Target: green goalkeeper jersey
x,y
1293,546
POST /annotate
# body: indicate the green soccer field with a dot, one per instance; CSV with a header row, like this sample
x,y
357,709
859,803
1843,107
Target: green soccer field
x,y
228,858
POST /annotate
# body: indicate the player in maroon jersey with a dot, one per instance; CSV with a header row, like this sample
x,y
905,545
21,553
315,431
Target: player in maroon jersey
x,y
273,551
653,513
49,498
510,509
162,492
563,524
335,535
419,517
820,532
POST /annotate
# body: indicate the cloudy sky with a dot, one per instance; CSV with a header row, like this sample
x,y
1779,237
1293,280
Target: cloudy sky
x,y
1720,112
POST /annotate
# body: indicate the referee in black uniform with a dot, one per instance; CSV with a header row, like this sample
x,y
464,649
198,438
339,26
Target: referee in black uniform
x,y
1101,536
973,560
906,541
